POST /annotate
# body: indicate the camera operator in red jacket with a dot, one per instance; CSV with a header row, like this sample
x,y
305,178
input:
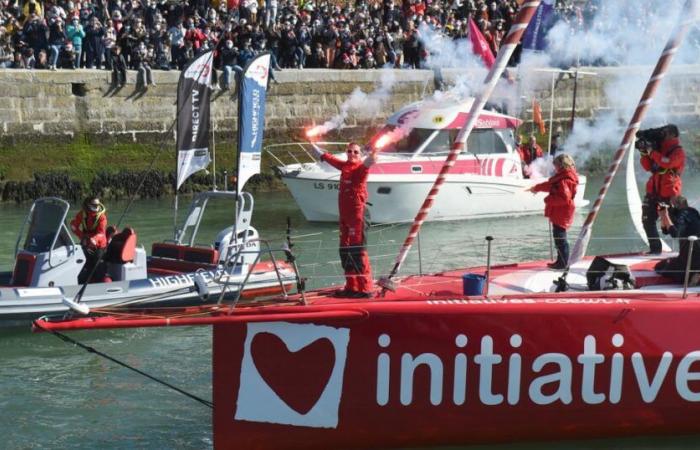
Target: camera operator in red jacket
x,y
663,156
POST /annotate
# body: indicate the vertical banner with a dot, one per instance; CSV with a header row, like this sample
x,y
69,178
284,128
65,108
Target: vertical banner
x,y
479,45
193,93
540,25
252,90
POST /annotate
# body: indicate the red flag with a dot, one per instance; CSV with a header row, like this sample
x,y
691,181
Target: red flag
x,y
537,116
479,44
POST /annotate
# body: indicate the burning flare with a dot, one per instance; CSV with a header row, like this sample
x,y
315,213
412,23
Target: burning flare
x,y
315,131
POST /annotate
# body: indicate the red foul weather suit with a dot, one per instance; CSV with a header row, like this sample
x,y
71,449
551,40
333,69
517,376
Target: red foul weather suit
x,y
91,228
559,204
352,197
666,166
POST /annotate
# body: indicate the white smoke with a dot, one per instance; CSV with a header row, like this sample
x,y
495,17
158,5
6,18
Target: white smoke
x,y
624,34
361,103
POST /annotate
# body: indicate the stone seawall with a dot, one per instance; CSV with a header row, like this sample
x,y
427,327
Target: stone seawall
x,y
78,104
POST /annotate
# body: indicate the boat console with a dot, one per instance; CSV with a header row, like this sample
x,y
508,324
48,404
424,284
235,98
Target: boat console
x,y
49,257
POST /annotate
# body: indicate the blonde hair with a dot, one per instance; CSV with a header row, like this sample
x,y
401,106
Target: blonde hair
x,y
564,161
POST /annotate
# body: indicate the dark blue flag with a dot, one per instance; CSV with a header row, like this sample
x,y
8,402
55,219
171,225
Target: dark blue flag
x,y
539,26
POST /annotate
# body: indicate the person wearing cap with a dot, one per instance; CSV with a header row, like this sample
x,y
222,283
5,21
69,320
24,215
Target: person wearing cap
x,y
681,221
90,226
352,199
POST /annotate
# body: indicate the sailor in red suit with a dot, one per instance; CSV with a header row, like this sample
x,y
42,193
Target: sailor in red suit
x,y
559,205
90,226
352,197
663,156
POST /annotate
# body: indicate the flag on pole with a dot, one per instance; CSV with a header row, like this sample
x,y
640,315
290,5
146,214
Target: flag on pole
x,y
534,38
193,117
479,45
252,91
537,116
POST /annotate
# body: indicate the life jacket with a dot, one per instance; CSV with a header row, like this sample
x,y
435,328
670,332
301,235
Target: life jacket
x,y
91,227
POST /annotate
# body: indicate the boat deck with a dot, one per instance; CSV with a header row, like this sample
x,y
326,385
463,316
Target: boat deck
x,y
522,280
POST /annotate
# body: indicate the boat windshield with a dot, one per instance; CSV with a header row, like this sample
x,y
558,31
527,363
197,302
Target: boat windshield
x,y
481,141
46,220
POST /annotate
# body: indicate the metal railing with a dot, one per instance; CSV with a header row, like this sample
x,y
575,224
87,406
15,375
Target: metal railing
x,y
236,259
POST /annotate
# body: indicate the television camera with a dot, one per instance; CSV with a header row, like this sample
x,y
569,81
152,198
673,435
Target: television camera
x,y
650,139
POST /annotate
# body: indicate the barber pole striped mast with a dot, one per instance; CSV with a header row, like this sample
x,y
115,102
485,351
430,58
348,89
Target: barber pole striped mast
x,y
527,10
686,18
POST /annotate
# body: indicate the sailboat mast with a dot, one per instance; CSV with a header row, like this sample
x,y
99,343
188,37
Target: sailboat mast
x,y
686,18
213,152
177,159
517,29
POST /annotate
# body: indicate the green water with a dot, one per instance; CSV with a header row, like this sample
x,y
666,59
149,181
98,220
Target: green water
x,y
55,395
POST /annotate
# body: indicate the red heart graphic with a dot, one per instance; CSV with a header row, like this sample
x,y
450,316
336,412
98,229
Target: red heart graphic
x,y
298,378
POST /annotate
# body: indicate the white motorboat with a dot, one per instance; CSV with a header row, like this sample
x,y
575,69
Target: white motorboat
x,y
487,180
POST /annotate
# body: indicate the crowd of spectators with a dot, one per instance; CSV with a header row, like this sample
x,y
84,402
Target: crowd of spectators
x,y
165,34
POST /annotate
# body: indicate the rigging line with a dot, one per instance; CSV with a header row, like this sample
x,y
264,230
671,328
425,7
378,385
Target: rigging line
x,y
132,198
90,349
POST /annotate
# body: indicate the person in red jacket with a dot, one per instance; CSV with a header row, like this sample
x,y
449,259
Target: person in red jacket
x,y
352,197
559,205
528,153
663,156
90,226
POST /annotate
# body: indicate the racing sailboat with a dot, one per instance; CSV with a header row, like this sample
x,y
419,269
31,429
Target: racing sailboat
x,y
441,359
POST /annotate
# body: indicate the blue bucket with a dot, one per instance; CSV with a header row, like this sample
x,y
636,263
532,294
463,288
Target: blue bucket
x,y
473,284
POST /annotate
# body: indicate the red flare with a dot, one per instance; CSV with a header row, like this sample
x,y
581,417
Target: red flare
x,y
314,131
382,141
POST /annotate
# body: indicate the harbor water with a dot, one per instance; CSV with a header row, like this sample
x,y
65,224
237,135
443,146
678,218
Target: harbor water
x,y
56,395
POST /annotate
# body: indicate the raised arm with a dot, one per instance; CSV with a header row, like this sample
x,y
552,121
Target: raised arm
x,y
323,155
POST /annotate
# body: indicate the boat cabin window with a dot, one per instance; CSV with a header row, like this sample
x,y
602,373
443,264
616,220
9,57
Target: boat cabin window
x,y
409,141
481,141
46,221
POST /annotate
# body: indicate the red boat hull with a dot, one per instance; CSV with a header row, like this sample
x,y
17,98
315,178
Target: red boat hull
x,y
417,373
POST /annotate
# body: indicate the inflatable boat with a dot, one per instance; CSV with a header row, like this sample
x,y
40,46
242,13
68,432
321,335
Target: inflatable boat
x,y
177,273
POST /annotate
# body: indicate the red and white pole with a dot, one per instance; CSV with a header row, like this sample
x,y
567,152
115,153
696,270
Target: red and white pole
x,y
686,18
517,29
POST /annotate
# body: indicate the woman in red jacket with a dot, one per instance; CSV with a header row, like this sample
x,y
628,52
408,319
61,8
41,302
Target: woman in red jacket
x,y
559,205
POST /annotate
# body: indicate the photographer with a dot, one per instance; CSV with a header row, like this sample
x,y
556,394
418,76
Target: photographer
x,y
680,221
663,156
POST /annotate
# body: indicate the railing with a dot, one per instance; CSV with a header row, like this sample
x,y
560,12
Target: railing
x,y
237,259
298,153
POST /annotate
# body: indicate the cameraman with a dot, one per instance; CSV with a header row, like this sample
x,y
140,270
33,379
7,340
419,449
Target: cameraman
x,y
680,221
663,156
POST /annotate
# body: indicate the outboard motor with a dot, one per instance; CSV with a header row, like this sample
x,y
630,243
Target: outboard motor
x,y
248,243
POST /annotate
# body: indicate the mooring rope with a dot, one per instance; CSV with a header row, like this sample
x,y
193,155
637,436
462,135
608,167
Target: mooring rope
x,y
90,349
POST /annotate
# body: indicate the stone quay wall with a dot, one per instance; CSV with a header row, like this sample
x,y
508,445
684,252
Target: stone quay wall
x,y
81,104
